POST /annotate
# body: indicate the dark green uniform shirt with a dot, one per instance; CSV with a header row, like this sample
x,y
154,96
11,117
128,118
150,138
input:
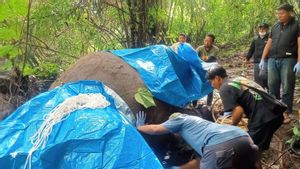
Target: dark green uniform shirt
x,y
257,47
233,95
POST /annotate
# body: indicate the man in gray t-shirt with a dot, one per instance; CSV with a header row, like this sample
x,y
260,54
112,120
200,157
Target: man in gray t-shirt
x,y
208,48
218,145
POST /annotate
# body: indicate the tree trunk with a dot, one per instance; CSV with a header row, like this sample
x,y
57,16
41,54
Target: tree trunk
x,y
143,25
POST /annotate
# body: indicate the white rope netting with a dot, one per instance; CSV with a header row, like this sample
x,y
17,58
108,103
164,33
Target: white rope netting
x,y
61,112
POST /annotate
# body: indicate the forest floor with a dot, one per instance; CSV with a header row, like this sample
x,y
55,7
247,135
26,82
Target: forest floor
x,y
279,147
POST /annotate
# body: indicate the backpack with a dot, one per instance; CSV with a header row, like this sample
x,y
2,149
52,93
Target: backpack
x,y
272,103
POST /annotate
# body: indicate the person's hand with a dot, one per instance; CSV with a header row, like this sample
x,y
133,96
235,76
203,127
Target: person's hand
x,y
263,64
297,68
140,119
204,58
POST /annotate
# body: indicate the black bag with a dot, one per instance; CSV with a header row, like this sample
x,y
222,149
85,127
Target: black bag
x,y
272,103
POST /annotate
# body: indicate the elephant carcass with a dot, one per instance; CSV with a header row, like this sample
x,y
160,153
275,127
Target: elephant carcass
x,y
117,75
125,81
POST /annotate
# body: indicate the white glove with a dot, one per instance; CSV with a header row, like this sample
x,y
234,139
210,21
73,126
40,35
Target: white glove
x,y
140,119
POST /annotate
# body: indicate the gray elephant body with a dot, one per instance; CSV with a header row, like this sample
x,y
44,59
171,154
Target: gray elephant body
x,y
125,81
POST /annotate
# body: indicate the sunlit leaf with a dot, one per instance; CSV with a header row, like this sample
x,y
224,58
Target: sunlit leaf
x,y
8,34
20,7
28,70
4,11
8,50
144,97
12,9
296,131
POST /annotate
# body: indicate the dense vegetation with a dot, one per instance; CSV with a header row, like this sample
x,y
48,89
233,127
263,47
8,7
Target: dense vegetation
x,y
44,37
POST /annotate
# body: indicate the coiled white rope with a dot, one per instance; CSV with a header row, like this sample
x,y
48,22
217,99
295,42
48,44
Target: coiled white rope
x,y
59,113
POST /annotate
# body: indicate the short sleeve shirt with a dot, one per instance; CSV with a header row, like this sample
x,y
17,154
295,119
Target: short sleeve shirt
x,y
212,52
175,46
199,133
233,95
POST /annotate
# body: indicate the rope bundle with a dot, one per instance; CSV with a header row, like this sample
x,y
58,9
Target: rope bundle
x,y
60,113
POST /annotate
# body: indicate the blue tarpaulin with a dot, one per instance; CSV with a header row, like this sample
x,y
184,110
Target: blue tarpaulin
x,y
85,138
174,79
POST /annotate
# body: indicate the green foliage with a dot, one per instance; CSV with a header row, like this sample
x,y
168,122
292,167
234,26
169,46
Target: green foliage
x,y
47,70
144,97
8,33
296,131
61,31
296,134
12,9
12,15
9,51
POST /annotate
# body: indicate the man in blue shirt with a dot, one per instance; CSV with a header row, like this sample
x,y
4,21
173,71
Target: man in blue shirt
x,y
220,146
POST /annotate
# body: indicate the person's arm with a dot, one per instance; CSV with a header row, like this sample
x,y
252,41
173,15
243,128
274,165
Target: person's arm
x,y
193,164
298,39
267,49
237,115
251,51
216,53
198,51
297,66
154,129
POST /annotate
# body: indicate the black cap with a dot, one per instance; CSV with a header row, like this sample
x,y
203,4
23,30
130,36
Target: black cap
x,y
216,71
263,25
286,7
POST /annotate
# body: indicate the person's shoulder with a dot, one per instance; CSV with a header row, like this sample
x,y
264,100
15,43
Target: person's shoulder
x,y
225,86
230,84
297,22
216,47
256,37
200,47
175,44
276,25
294,20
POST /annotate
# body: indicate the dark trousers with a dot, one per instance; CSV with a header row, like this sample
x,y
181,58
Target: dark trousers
x,y
237,153
262,135
261,79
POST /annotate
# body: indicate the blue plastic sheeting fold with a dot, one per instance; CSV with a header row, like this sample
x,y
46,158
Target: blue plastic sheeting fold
x,y
174,79
86,138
